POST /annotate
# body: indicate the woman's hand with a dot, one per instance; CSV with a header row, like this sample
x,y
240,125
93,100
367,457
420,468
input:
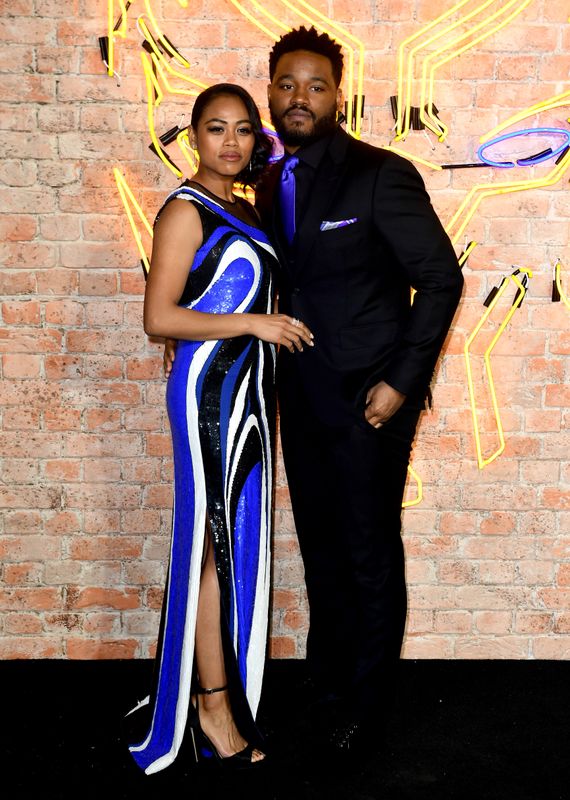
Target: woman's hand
x,y
170,346
281,329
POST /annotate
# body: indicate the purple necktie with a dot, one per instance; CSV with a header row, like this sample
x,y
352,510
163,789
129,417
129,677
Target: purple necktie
x,y
287,197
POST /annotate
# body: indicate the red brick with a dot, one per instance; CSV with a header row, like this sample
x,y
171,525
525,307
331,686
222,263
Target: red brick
x,y
103,366
17,419
90,649
62,367
105,548
58,282
62,522
282,647
30,573
29,647
21,366
27,521
62,419
88,597
62,470
21,313
138,573
103,419
23,598
64,312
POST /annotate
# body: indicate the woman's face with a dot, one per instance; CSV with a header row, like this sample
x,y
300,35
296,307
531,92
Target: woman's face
x,y
224,137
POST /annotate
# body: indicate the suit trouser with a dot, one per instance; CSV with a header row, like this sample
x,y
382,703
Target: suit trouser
x,y
346,485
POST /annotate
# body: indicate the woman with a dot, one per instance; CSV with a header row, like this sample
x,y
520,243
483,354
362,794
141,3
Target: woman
x,y
210,287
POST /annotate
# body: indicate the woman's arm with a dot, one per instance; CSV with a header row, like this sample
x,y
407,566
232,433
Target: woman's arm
x,y
177,237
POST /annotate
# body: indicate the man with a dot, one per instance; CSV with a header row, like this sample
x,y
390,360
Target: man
x,y
360,235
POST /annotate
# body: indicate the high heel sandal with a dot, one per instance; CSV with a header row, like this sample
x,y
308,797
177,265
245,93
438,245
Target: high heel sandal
x,y
240,760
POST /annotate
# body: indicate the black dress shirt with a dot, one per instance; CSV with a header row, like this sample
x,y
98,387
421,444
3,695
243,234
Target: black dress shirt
x,y
305,172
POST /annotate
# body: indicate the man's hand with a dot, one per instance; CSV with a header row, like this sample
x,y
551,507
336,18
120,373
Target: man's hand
x,y
170,346
382,402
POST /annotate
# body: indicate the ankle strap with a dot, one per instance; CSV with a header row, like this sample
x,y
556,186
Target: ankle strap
x,y
201,690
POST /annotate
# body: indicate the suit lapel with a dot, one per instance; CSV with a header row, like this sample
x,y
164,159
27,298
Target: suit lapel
x,y
331,170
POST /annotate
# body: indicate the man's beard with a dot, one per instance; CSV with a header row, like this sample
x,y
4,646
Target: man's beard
x,y
297,137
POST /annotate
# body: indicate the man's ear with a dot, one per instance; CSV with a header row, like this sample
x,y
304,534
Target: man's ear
x,y
339,100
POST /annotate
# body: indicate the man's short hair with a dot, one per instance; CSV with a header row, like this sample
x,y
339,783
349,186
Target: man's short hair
x,y
314,42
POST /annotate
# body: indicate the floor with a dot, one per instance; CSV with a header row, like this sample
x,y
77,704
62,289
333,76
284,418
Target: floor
x,y
457,729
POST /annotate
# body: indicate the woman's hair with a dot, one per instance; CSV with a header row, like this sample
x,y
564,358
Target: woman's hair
x,y
263,143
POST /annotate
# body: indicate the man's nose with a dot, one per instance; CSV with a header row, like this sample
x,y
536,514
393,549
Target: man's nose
x,y
300,97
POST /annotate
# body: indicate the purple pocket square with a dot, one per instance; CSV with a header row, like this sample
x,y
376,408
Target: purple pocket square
x,y
331,225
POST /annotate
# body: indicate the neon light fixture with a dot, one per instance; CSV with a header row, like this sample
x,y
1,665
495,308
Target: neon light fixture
x,y
521,285
545,105
130,203
478,193
403,109
531,160
426,110
118,29
428,116
466,253
419,489
412,157
154,97
558,283
164,41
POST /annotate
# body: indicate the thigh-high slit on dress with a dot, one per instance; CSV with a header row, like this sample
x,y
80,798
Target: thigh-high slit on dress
x,y
220,400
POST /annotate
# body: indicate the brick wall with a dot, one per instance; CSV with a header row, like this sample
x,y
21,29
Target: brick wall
x,y
86,470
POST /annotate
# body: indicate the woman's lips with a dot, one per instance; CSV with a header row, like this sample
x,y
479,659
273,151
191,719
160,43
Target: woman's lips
x,y
231,156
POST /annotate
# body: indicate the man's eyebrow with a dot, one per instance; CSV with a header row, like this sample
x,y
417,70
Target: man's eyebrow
x,y
292,77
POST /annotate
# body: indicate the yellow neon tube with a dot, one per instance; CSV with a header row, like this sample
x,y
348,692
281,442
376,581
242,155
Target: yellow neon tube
x,y
159,60
400,132
479,192
459,52
521,291
563,296
152,83
545,105
183,141
411,157
248,15
446,30
270,16
129,202
122,31
465,255
419,489
162,39
168,86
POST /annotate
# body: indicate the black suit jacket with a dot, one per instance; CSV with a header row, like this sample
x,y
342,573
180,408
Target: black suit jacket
x,y
351,283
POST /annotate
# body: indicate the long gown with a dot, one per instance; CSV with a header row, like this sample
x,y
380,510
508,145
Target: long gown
x,y
220,400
